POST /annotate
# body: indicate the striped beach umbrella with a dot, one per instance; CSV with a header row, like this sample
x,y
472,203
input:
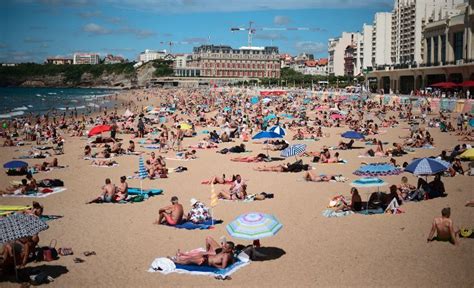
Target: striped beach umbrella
x,y
368,182
142,173
278,129
377,170
427,166
293,150
254,226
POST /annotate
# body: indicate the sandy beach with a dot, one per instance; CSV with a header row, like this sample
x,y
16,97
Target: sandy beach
x,y
371,251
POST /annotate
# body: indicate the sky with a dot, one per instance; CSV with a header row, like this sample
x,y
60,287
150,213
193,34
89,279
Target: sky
x,y
32,30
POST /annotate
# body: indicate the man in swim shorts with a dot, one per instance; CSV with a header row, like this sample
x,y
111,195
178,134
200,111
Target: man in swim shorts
x,y
172,214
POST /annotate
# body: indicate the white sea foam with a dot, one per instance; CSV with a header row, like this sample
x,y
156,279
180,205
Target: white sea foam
x,y
20,108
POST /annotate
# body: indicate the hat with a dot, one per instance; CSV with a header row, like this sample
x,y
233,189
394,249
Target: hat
x,y
193,201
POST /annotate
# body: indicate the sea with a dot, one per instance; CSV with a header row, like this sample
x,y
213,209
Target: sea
x,y
19,101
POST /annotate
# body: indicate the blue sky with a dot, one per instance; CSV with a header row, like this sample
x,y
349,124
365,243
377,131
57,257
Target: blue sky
x,y
33,30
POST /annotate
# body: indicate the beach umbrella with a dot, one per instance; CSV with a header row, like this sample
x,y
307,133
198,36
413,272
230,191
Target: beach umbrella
x,y
471,122
368,182
17,226
337,116
468,154
445,85
185,126
254,226
269,117
469,83
352,135
266,135
15,164
278,129
266,100
293,150
142,173
99,129
378,169
427,166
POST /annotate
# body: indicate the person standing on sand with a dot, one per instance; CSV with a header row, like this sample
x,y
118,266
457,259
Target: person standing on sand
x,y
172,214
179,138
443,226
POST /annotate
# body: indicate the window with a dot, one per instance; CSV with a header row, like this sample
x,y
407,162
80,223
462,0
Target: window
x,y
428,52
443,48
458,45
436,46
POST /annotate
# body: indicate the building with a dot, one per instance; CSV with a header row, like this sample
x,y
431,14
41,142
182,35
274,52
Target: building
x,y
349,62
336,50
184,66
245,62
408,21
364,50
150,55
111,59
285,60
86,58
59,61
449,55
312,67
382,40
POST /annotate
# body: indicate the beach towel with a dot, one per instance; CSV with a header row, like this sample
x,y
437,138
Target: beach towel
x,y
9,209
178,159
367,156
106,166
149,192
150,146
47,218
166,268
331,213
42,193
371,211
201,226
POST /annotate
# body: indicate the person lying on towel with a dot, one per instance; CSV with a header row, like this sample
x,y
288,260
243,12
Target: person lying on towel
x,y
219,256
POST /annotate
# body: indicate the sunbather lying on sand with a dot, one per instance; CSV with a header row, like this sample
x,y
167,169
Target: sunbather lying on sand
x,y
309,176
259,158
298,166
219,256
46,165
104,162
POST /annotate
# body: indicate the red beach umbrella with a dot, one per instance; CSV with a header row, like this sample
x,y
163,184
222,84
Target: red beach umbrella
x,y
469,83
445,85
99,129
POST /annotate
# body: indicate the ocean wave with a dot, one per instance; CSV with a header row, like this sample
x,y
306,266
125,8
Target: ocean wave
x,y
12,114
20,108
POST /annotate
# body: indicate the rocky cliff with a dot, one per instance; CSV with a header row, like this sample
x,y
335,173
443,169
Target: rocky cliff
x,y
35,75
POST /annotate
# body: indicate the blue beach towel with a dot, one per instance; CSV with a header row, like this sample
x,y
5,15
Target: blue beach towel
x,y
201,226
203,270
371,211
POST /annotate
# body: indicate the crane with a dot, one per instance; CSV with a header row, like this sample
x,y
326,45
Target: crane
x,y
252,30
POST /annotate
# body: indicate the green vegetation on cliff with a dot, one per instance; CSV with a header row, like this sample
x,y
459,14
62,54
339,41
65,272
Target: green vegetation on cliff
x,y
15,75
163,68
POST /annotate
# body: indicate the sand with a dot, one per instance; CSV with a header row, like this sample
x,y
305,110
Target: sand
x,y
369,251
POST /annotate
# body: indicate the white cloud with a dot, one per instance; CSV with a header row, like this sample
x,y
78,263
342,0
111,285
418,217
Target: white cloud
x,y
95,29
192,6
310,47
281,20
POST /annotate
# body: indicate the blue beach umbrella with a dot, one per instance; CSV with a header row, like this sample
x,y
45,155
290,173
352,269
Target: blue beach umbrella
x,y
368,182
254,226
427,166
471,122
142,173
378,169
278,129
270,117
254,100
352,135
15,164
293,150
266,135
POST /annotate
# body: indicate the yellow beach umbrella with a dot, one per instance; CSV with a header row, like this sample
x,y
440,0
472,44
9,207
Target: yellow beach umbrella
x,y
185,126
468,154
